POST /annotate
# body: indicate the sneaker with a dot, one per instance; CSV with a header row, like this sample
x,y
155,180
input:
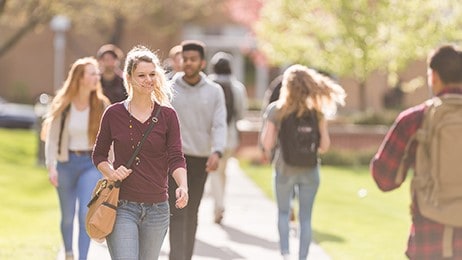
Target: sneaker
x,y
69,256
286,257
293,225
292,214
219,217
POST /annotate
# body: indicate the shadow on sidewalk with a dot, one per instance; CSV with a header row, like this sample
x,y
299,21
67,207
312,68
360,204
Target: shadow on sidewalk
x,y
245,238
204,249
322,237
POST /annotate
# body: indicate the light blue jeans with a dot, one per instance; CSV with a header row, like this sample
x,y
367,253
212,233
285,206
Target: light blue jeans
x,y
306,182
139,230
76,180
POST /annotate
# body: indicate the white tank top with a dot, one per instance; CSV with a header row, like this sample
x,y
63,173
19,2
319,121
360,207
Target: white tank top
x,y
78,129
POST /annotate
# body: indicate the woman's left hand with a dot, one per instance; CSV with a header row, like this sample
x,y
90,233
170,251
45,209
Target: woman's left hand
x,y
181,197
53,176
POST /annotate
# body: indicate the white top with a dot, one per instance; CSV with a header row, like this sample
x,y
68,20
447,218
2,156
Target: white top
x,y
78,129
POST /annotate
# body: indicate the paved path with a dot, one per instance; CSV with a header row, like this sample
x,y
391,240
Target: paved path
x,y
248,230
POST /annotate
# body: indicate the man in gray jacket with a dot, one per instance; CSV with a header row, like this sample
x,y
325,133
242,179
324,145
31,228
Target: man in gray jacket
x,y
200,105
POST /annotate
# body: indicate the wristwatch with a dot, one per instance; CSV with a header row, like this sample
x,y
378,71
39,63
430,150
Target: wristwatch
x,y
220,154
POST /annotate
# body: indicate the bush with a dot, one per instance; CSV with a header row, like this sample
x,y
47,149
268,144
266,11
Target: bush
x,y
254,104
375,118
347,157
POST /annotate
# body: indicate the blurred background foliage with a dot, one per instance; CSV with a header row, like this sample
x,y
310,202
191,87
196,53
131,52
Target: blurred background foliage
x,y
348,39
356,38
102,17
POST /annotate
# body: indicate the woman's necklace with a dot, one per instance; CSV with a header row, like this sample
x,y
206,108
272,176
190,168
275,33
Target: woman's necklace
x,y
131,130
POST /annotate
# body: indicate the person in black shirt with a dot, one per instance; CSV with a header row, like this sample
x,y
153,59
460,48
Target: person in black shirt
x,y
109,57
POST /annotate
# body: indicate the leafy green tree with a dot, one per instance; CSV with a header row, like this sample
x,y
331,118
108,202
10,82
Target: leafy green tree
x,y
356,38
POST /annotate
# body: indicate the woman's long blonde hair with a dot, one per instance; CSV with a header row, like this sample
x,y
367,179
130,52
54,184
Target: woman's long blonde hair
x,y
162,91
305,89
63,98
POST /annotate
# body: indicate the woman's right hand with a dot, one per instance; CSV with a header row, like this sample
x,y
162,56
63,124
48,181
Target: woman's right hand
x,y
109,173
120,173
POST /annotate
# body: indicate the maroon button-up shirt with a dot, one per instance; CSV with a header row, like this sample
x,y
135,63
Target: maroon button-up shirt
x,y
425,238
160,154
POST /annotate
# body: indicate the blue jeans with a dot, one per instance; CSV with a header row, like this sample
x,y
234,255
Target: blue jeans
x,y
307,183
139,230
76,180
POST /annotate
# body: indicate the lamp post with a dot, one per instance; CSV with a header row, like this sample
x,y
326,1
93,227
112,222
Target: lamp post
x,y
59,24
41,108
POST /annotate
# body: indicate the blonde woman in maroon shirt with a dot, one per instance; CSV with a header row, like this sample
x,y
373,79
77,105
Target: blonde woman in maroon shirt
x,y
143,212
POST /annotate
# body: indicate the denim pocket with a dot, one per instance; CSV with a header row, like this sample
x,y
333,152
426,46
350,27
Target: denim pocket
x,y
162,207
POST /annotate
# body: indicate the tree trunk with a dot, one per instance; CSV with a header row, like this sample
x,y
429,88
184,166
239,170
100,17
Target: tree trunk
x,y
9,43
362,96
119,24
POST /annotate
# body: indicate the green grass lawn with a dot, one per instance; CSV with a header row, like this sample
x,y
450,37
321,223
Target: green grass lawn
x,y
347,225
29,214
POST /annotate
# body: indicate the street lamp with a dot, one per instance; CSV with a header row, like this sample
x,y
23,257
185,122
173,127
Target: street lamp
x,y
41,107
59,24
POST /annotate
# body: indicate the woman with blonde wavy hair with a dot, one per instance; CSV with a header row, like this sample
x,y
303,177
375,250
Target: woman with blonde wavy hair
x,y
304,92
143,211
70,130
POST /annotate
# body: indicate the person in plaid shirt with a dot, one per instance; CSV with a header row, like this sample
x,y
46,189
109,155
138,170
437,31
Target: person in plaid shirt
x,y
444,75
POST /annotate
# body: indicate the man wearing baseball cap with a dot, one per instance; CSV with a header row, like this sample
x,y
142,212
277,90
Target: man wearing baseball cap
x,y
109,57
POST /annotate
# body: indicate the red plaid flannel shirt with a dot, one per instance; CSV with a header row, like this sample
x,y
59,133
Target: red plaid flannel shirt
x,y
425,238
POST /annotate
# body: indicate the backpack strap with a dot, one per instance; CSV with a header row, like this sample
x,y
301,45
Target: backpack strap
x,y
448,235
403,165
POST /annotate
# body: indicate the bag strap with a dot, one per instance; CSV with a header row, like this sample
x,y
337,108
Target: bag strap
x,y
138,147
404,164
448,236
61,127
145,135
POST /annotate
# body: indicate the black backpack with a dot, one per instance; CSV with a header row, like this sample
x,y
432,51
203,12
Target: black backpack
x,y
229,99
299,139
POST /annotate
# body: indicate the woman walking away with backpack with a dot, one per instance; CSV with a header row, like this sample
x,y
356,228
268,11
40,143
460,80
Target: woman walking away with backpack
x,y
296,129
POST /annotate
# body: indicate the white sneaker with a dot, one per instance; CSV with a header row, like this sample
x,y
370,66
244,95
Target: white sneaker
x,y
286,257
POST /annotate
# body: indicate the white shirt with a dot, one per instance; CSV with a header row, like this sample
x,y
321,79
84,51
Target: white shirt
x,y
78,129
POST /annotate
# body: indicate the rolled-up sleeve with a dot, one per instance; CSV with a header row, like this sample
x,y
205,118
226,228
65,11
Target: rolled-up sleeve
x,y
174,148
103,140
385,164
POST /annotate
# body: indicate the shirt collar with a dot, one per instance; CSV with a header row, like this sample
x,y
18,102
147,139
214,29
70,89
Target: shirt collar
x,y
450,90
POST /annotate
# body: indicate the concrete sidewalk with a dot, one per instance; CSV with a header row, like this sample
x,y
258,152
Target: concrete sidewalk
x,y
248,230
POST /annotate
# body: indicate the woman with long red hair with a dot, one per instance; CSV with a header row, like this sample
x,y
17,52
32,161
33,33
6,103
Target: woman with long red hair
x,y
70,129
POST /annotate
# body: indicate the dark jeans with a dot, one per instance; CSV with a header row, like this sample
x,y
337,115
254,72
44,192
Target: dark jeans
x,y
183,222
